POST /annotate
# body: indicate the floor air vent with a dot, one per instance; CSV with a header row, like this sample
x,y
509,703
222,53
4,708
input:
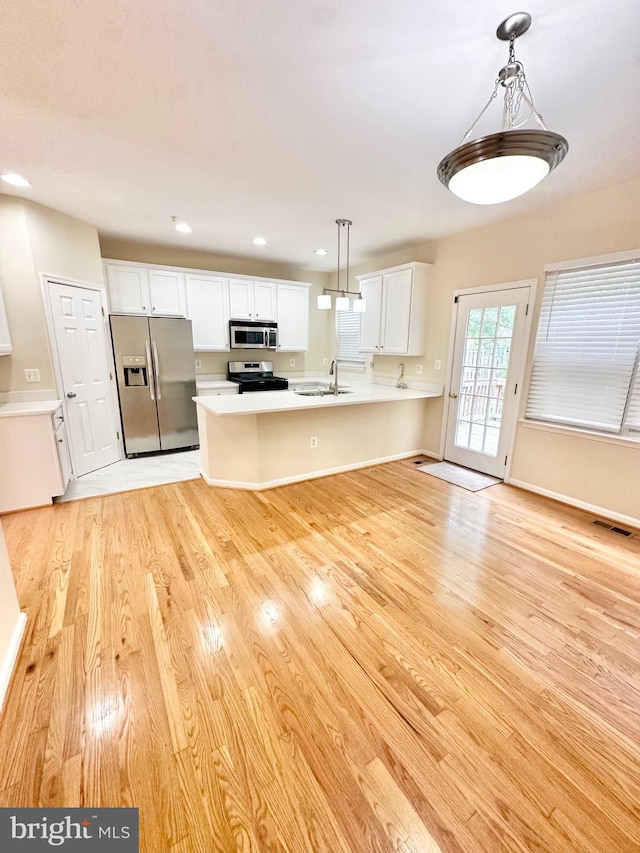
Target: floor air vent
x,y
612,527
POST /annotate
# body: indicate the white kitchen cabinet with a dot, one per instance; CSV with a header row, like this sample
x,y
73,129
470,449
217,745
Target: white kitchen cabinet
x,y
30,460
64,458
5,337
166,293
293,317
141,290
394,322
208,310
252,300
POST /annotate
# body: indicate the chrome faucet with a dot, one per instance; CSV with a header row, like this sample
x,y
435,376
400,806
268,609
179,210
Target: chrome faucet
x,y
333,371
400,383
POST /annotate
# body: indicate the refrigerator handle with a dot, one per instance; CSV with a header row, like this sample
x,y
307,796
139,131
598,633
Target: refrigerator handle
x,y
156,365
149,363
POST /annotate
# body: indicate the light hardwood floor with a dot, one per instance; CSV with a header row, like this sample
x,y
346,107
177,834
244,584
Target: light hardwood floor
x,y
374,661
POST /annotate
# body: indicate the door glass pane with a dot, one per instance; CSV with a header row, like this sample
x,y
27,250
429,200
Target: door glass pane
x,y
483,378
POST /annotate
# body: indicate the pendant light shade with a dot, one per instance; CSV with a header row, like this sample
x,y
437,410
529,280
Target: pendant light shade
x,y
504,165
323,301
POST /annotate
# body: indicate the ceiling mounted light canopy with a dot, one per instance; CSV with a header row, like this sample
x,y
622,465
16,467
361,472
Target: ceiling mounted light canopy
x,y
181,226
342,301
504,165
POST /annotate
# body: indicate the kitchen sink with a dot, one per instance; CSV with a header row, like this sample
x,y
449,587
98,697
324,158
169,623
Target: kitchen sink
x,y
320,392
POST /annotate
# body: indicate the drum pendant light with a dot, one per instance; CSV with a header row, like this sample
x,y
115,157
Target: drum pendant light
x,y
342,301
504,165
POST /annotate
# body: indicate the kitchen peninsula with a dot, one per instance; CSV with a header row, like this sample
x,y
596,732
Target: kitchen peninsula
x,y
261,440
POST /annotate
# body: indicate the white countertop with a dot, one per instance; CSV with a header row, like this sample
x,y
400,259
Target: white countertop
x,y
212,384
288,401
40,407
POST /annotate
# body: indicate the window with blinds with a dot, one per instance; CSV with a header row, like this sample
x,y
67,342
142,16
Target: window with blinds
x,y
585,369
348,332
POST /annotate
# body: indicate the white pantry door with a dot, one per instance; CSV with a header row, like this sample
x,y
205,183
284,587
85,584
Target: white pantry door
x,y
489,349
81,343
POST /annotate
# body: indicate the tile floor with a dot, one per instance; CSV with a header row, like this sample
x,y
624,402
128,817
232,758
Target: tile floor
x,y
135,474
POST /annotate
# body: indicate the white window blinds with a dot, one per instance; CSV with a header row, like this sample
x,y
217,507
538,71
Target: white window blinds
x,y
585,360
348,331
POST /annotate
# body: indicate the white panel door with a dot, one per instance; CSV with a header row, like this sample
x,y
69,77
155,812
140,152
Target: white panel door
x,y
293,318
81,343
371,290
488,355
128,290
166,292
396,313
208,310
5,337
264,300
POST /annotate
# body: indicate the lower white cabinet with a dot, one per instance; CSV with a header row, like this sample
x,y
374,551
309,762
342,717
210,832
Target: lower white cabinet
x,y
394,322
5,337
293,317
34,469
208,310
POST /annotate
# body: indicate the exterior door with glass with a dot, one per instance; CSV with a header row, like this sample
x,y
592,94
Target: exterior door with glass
x,y
489,350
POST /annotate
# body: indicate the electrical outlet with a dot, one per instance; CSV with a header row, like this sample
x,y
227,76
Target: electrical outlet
x,y
418,368
313,441
325,361
198,364
437,364
292,362
32,374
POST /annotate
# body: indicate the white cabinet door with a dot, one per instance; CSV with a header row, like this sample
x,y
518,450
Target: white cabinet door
x,y
264,300
370,321
63,456
293,318
128,290
5,337
252,300
396,312
167,293
240,299
208,310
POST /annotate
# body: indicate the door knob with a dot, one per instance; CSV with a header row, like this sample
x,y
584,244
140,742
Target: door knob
x,y
453,396
71,394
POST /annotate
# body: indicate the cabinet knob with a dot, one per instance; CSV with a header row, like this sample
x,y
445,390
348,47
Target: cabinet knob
x,y
153,307
59,441
144,307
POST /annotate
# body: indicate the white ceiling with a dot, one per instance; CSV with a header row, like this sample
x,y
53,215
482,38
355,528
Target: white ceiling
x,y
275,117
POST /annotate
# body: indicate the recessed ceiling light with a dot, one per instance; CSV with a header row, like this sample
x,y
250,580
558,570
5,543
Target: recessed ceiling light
x,y
321,252
259,241
181,226
15,180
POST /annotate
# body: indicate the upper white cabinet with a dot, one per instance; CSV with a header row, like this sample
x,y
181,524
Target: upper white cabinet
x,y
293,317
142,290
208,310
394,322
252,300
5,337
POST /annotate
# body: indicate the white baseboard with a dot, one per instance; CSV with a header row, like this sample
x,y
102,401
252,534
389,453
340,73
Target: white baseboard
x,y
600,511
11,656
312,475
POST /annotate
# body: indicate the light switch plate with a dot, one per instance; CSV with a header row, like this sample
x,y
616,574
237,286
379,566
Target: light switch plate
x,y
32,374
198,364
418,368
437,365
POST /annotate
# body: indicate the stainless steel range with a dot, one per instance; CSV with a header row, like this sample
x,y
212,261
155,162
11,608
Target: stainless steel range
x,y
255,376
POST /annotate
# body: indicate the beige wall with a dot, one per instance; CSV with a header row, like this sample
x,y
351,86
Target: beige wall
x,y
35,240
322,343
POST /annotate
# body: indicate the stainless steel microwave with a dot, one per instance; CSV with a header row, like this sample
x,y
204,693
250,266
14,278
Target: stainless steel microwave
x,y
244,334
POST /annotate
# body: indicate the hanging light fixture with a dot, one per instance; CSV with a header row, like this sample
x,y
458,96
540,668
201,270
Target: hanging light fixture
x,y
506,164
342,301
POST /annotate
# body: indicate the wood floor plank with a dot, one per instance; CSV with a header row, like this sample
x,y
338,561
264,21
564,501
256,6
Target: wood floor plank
x,y
376,661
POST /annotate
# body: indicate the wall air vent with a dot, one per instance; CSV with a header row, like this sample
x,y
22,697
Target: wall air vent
x,y
613,528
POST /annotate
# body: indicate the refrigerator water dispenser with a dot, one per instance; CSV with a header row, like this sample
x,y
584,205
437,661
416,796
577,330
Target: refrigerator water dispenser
x,y
135,370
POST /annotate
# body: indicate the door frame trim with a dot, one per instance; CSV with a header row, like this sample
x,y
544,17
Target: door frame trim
x,y
531,283
46,280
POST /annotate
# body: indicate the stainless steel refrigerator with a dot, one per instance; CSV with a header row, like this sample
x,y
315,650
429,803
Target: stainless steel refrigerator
x,y
156,382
